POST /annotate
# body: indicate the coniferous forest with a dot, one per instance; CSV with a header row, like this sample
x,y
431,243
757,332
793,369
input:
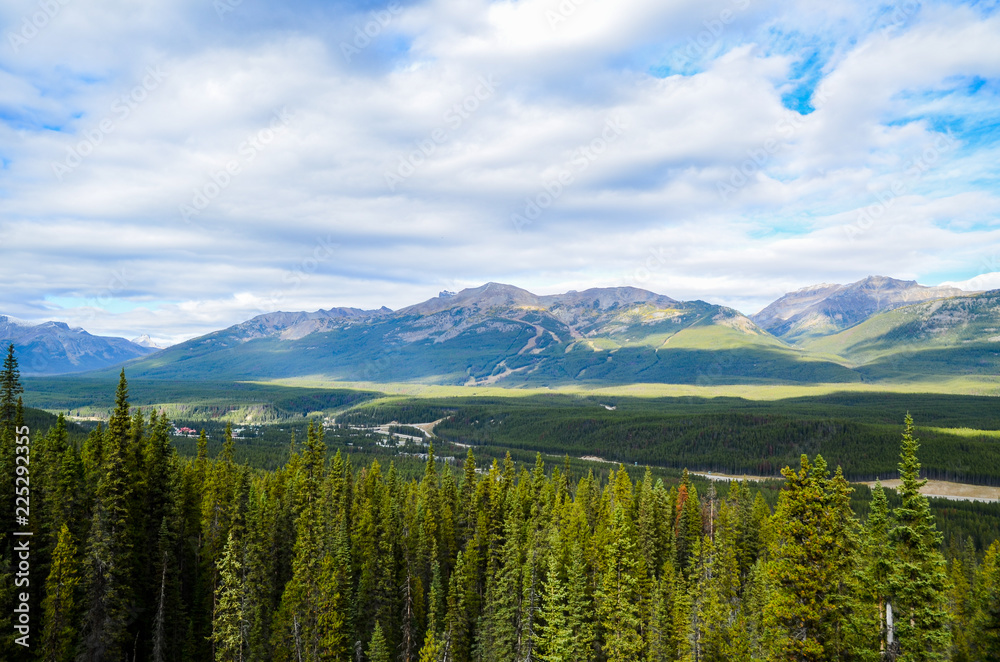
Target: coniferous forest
x,y
139,554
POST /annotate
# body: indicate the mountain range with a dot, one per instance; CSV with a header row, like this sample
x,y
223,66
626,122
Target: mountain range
x,y
56,348
821,310
875,329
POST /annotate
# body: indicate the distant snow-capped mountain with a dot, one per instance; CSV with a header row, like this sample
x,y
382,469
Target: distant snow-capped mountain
x,y
52,348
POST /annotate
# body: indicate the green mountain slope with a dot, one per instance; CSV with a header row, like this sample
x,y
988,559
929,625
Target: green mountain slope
x,y
826,309
944,337
503,335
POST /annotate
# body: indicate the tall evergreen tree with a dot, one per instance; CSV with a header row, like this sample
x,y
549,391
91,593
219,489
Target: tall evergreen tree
x,y
10,387
689,524
919,582
378,649
619,595
61,604
813,552
555,640
985,625
110,568
231,625
880,559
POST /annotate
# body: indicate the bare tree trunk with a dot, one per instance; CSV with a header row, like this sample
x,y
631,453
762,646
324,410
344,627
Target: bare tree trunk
x,y
158,654
298,637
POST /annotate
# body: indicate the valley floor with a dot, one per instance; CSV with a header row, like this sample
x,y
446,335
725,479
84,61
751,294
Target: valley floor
x,y
941,489
948,490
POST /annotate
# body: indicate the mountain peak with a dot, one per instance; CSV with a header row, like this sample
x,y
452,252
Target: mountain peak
x,y
14,321
820,310
490,295
881,283
145,341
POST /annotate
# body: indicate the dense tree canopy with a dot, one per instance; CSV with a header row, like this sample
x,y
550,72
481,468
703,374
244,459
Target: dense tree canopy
x,y
145,555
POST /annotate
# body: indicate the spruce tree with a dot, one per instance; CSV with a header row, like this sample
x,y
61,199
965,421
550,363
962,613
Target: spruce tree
x,y
378,649
985,626
110,570
432,650
619,595
555,639
10,387
60,606
813,552
918,583
659,630
689,524
880,559
500,633
231,622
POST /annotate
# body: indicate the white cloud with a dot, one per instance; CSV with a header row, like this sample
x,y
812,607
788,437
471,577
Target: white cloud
x,y
318,178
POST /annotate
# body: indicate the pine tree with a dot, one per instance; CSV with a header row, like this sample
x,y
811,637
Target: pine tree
x,y
316,561
684,642
168,617
812,555
378,649
500,633
659,637
467,499
579,606
10,387
432,650
333,607
985,625
231,622
311,621
880,558
229,444
918,583
60,605
555,638
707,624
688,531
647,523
619,596
109,547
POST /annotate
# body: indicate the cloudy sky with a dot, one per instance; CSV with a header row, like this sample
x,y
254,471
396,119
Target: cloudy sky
x,y
172,167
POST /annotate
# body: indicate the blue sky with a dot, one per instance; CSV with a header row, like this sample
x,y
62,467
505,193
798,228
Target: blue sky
x,y
171,168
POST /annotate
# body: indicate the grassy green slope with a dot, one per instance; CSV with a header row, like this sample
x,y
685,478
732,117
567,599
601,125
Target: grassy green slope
x,y
923,342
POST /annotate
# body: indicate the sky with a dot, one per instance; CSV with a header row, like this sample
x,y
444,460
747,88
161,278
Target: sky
x,y
173,167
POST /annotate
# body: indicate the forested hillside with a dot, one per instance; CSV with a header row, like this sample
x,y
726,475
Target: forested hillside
x,y
857,431
137,554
